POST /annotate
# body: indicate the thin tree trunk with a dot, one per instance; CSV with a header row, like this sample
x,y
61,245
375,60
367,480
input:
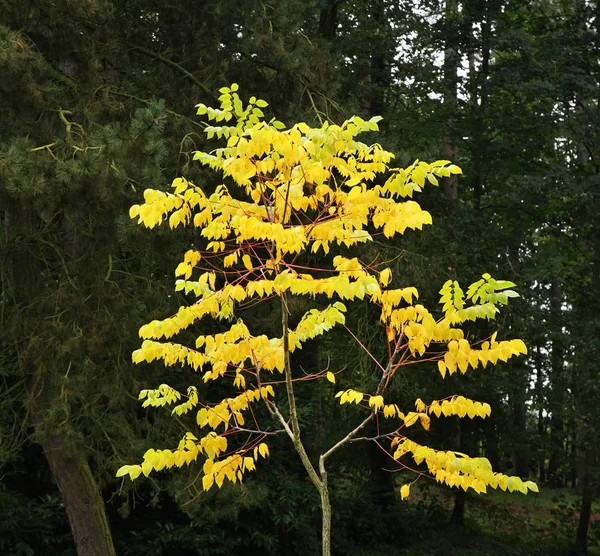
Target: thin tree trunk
x,y
556,406
328,19
480,103
586,503
325,510
520,422
379,75
539,398
450,94
460,497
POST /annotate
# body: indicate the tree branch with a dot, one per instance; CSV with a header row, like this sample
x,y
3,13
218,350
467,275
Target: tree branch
x,y
147,101
355,431
174,65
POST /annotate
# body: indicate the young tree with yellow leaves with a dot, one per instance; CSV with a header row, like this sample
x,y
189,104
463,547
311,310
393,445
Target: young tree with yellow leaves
x,y
292,191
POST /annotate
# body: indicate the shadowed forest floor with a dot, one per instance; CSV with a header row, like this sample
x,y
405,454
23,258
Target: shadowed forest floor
x,y
503,523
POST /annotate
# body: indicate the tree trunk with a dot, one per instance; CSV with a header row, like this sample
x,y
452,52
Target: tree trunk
x,y
458,512
588,485
556,405
379,73
326,516
82,498
584,521
328,19
520,453
460,498
541,421
491,445
79,490
479,102
519,443
587,401
450,94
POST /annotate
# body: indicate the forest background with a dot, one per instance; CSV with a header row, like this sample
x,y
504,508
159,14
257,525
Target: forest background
x,y
97,103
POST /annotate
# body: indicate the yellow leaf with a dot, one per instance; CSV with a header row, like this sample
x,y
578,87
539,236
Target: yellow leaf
x,y
376,402
411,418
531,486
207,481
134,211
146,468
263,449
247,262
255,194
442,368
404,492
385,277
330,377
124,470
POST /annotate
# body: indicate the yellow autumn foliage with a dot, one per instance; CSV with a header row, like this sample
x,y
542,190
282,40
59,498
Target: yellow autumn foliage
x,y
289,191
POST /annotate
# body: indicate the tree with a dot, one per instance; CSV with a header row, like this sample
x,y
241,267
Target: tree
x,y
307,191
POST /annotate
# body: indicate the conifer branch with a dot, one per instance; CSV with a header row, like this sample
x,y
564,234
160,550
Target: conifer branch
x,y
176,66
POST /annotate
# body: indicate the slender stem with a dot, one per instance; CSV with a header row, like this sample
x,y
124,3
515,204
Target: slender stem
x,y
324,490
354,432
348,437
294,432
325,509
48,146
288,367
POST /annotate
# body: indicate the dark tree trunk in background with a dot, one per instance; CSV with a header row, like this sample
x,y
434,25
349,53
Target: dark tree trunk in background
x,y
79,490
556,405
520,460
460,497
82,498
479,103
450,94
78,487
586,375
379,76
328,19
588,487
541,420
491,445
587,403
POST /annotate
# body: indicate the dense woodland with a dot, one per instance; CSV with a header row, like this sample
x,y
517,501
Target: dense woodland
x,y
98,103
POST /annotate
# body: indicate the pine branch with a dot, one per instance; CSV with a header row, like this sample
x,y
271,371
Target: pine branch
x,y
175,66
147,101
